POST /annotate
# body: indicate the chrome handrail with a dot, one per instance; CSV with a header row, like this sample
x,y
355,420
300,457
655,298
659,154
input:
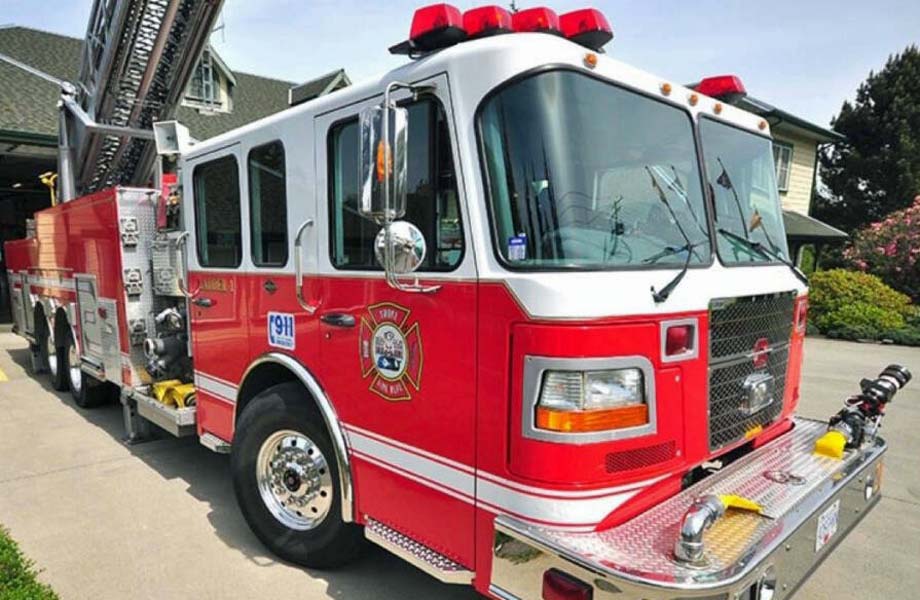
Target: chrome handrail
x,y
298,268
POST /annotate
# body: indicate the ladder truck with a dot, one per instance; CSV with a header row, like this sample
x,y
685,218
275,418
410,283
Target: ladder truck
x,y
516,311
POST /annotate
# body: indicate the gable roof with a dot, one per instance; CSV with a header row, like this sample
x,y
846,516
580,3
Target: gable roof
x,y
28,103
325,84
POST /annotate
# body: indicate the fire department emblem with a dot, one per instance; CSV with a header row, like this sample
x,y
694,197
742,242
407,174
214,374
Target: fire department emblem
x,y
391,351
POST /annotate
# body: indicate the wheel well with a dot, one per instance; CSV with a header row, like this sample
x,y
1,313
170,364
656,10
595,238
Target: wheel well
x,y
261,378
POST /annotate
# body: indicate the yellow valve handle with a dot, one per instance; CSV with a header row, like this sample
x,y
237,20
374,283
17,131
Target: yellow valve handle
x,y
741,503
831,444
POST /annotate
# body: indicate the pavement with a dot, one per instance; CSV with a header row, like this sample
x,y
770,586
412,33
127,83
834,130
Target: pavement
x,y
158,520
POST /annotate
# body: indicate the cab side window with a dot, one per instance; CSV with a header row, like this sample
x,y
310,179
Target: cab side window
x,y
433,203
268,206
218,223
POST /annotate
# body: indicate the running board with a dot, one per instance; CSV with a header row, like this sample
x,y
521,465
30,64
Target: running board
x,y
437,565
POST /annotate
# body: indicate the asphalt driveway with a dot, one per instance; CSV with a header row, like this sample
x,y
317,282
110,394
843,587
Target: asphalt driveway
x,y
158,520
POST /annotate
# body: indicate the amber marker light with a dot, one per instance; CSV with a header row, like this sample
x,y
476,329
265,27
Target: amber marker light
x,y
762,125
693,99
592,420
666,89
590,60
717,108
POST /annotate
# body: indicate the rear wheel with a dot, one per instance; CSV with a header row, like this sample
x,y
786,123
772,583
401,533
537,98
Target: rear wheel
x,y
87,391
286,480
50,354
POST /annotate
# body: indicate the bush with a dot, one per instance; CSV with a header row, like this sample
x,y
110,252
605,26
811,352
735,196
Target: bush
x,y
890,248
17,575
840,299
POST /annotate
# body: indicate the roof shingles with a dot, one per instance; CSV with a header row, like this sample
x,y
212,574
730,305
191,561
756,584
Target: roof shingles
x,y
28,103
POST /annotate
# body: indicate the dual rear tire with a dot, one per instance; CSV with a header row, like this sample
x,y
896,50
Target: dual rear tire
x,y
62,360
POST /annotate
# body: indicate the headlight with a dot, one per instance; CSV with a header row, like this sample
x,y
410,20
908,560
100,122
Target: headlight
x,y
577,401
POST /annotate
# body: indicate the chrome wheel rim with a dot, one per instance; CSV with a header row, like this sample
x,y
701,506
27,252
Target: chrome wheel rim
x,y
51,351
294,480
73,362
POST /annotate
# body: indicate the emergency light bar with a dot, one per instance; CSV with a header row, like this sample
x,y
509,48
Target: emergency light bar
x,y
439,26
724,87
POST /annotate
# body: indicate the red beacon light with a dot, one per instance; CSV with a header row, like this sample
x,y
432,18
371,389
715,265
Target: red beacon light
x,y
486,20
540,20
433,27
724,87
587,27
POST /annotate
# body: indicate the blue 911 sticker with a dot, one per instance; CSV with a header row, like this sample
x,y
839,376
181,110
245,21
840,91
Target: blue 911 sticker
x,y
281,330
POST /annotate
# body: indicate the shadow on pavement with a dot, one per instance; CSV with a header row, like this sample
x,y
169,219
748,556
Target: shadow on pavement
x,y
377,574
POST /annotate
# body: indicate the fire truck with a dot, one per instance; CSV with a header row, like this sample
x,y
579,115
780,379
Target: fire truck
x,y
516,311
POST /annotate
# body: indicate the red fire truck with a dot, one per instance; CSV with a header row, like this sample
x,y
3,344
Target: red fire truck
x,y
516,311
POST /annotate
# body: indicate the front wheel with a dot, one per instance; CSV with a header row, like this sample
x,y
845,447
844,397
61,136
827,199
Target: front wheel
x,y
286,480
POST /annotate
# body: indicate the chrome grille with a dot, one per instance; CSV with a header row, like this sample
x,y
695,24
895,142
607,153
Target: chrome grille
x,y
736,325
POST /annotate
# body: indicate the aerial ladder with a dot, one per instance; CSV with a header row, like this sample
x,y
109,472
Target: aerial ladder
x,y
138,56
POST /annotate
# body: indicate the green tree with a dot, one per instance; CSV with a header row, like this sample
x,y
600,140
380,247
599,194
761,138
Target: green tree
x,y
877,169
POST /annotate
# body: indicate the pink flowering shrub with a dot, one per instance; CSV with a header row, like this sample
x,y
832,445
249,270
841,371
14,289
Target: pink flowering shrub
x,y
891,249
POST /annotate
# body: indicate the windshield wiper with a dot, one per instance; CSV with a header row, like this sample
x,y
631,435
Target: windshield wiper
x,y
725,181
670,251
661,295
765,252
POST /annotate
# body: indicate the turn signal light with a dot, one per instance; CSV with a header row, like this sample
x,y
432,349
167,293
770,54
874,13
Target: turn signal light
x,y
559,586
725,87
592,420
487,20
587,27
541,20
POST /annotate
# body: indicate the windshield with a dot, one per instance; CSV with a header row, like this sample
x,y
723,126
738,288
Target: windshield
x,y
739,165
586,175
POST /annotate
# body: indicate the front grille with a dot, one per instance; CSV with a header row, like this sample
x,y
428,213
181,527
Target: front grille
x,y
736,326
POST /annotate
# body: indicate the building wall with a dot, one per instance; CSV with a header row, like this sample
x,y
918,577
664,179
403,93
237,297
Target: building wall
x,y
802,171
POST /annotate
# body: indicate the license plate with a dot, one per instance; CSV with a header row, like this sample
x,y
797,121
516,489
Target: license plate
x,y
827,525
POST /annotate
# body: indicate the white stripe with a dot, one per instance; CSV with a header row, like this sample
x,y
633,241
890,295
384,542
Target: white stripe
x,y
217,388
47,282
578,510
442,474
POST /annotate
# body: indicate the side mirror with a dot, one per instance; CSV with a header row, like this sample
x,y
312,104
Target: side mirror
x,y
400,247
384,137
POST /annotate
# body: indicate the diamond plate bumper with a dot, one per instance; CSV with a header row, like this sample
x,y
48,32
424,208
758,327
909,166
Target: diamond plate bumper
x,y
746,553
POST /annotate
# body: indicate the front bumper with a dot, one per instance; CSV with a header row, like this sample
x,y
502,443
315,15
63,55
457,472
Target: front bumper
x,y
747,555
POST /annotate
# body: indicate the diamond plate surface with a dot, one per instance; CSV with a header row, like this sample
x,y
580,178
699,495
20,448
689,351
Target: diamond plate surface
x,y
418,550
644,546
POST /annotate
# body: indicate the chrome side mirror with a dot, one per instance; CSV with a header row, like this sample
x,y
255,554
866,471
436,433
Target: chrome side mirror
x,y
384,136
400,248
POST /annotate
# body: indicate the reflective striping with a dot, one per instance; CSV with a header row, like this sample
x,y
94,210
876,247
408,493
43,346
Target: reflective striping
x,y
572,510
216,387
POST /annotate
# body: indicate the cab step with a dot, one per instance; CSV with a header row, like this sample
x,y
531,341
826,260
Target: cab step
x,y
435,564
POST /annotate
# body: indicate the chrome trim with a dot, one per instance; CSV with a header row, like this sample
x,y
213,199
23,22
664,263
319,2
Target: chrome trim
x,y
535,366
694,352
701,515
310,308
415,553
782,549
330,418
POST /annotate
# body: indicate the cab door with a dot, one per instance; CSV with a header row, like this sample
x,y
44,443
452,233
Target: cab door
x,y
216,255
401,367
278,171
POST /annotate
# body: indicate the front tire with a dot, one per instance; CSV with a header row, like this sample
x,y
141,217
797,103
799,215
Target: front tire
x,y
287,482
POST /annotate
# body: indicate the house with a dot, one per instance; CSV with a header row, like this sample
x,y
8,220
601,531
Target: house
x,y
796,143
217,99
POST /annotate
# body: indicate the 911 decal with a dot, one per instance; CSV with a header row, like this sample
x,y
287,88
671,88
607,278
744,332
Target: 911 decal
x,y
281,330
391,350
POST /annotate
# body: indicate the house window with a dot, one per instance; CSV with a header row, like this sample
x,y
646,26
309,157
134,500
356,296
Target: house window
x,y
782,158
204,88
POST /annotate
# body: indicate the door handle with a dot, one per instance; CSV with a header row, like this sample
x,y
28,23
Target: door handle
x,y
338,319
203,302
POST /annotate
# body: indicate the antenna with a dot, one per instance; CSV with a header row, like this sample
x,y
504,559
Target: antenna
x,y
513,6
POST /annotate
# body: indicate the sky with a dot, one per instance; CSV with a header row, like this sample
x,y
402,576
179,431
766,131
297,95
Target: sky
x,y
804,56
